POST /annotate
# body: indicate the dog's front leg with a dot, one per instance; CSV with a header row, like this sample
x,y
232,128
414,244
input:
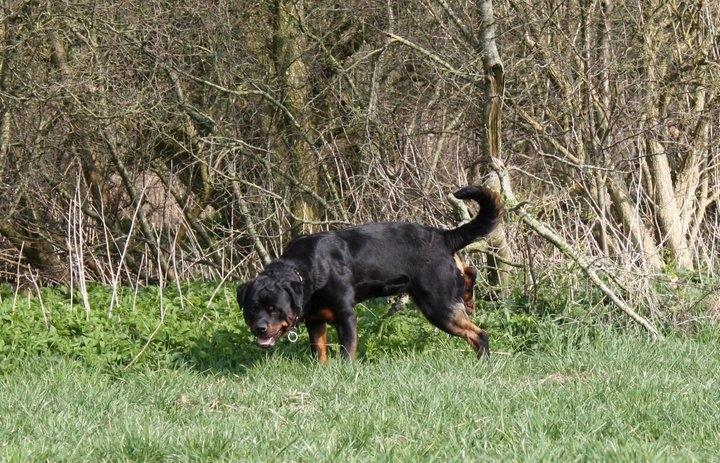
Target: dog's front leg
x,y
318,339
347,334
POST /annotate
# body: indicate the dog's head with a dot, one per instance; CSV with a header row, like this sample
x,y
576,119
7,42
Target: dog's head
x,y
271,304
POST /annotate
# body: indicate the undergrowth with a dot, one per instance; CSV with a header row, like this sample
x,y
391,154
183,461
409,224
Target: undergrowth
x,y
200,325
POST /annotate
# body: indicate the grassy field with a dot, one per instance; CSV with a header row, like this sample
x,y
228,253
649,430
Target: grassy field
x,y
553,391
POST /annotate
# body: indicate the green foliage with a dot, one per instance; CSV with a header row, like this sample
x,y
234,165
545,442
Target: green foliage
x,y
200,325
179,326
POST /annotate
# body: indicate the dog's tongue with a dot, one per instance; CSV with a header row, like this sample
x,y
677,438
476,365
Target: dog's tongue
x,y
266,342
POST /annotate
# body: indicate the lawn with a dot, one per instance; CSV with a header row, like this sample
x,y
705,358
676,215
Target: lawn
x,y
581,394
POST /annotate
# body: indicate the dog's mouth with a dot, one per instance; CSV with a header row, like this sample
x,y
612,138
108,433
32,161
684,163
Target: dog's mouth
x,y
267,342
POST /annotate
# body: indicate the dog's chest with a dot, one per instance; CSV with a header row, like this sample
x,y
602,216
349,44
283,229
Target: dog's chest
x,y
323,314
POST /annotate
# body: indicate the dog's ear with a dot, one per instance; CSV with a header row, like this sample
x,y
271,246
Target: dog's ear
x,y
295,291
241,294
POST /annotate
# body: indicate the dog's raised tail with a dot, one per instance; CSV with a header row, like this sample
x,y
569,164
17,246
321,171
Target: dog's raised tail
x,y
482,224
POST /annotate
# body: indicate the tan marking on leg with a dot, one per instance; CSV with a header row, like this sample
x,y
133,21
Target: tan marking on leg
x,y
318,340
321,345
469,274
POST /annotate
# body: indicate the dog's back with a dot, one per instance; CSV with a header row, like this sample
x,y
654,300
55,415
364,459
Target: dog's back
x,y
384,252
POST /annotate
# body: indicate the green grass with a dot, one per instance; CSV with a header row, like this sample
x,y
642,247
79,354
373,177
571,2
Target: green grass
x,y
623,398
555,390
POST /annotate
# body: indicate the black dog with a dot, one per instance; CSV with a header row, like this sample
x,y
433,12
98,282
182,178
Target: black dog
x,y
320,277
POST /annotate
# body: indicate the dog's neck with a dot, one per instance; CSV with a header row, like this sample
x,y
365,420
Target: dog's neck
x,y
283,267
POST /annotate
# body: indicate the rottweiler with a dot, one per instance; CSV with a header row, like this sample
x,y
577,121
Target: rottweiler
x,y
319,278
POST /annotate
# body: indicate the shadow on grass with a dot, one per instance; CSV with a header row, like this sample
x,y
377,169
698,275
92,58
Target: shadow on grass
x,y
228,352
225,351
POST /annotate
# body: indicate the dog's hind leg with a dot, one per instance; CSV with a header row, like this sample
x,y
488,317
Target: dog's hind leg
x,y
347,334
454,320
460,325
469,276
439,294
457,323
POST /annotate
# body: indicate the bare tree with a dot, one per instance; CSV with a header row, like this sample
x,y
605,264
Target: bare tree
x,y
145,141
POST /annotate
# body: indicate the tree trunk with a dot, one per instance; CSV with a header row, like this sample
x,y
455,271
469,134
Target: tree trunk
x,y
490,124
631,222
294,126
667,211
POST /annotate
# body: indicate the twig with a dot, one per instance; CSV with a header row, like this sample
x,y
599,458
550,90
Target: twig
x,y
447,66
40,299
162,314
556,240
17,277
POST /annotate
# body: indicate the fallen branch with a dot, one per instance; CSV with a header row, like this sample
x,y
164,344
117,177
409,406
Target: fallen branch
x,y
556,240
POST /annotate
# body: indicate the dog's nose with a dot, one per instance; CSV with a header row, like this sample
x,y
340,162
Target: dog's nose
x,y
261,327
